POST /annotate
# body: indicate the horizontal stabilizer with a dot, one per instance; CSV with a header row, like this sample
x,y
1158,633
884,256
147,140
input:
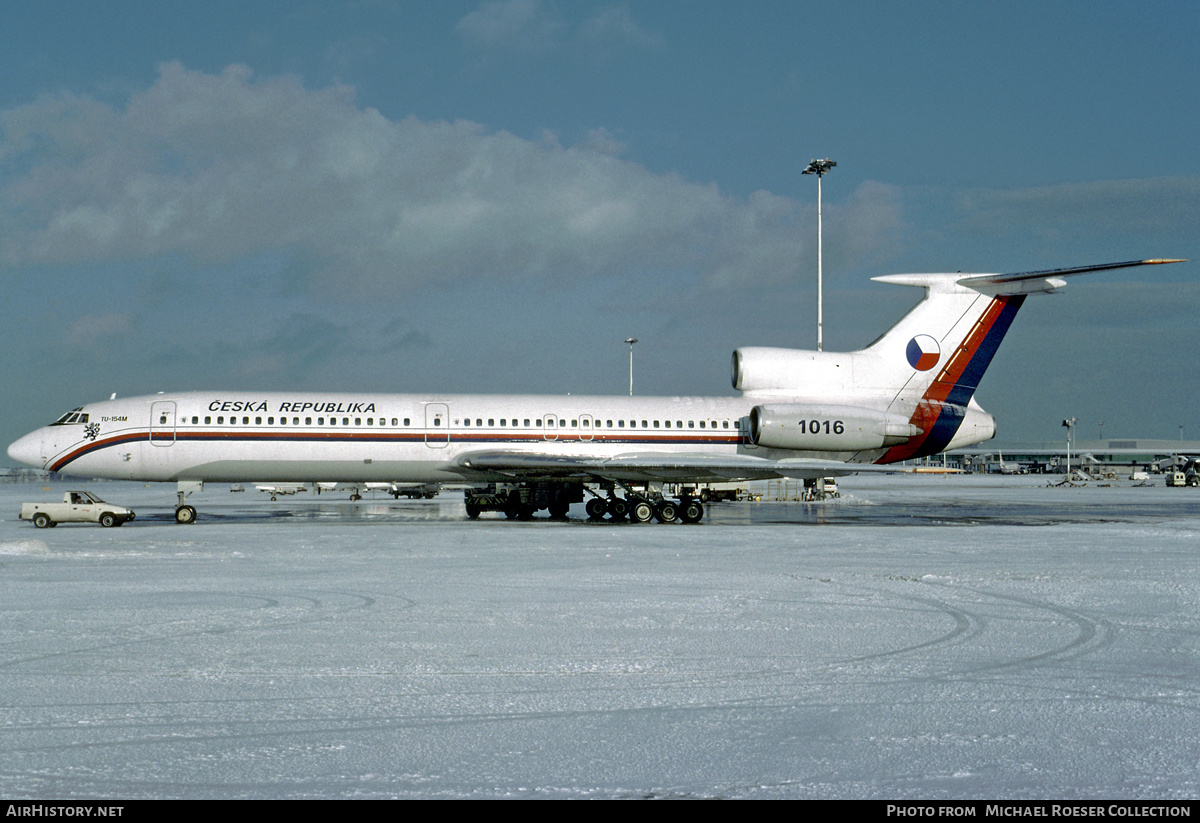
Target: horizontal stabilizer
x,y
1047,280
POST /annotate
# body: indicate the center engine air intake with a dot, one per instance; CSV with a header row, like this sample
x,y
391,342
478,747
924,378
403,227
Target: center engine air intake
x,y
813,427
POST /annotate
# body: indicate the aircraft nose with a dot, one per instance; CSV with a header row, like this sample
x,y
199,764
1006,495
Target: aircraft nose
x,y
28,450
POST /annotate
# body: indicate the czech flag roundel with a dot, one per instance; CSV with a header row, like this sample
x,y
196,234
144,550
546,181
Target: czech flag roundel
x,y
923,352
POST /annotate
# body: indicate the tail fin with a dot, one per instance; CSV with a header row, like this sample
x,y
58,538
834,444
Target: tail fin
x,y
925,368
949,340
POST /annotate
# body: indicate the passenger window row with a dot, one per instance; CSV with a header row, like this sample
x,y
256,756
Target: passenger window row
x,y
549,422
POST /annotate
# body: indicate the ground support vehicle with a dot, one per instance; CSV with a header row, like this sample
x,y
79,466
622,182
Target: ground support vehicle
x,y
76,507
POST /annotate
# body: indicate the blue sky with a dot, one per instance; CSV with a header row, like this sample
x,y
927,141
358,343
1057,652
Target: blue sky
x,y
491,196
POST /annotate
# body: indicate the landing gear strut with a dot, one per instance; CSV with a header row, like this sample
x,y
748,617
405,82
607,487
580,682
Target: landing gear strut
x,y
184,513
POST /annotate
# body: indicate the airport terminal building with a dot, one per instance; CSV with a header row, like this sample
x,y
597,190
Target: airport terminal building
x,y
1103,456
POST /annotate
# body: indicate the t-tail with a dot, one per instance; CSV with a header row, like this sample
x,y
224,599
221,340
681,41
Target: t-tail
x,y
909,394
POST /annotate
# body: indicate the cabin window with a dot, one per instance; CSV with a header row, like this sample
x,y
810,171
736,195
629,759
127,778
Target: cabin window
x,y
308,421
491,421
503,421
701,424
526,422
644,425
407,421
295,421
370,421
724,424
258,421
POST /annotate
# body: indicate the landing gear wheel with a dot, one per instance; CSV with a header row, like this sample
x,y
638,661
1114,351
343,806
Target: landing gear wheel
x,y
185,514
596,508
666,512
691,511
641,511
618,507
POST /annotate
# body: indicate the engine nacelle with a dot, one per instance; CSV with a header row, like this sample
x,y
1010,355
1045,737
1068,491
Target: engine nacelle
x,y
818,427
757,369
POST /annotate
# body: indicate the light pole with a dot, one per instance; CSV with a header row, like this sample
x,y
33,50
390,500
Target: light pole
x,y
631,341
820,168
1070,424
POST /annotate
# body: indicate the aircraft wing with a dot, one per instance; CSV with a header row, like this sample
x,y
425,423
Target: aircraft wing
x,y
652,467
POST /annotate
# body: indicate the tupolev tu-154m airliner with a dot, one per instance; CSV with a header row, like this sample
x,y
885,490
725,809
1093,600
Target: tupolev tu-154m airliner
x,y
800,414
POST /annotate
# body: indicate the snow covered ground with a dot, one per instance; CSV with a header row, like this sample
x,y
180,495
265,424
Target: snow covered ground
x,y
922,637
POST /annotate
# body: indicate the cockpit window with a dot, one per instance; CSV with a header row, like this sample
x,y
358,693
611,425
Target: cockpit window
x,y
73,416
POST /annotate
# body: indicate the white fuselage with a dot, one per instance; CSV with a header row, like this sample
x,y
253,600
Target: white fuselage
x,y
301,437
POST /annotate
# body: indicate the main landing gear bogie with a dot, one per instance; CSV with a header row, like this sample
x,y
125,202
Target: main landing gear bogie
x,y
523,501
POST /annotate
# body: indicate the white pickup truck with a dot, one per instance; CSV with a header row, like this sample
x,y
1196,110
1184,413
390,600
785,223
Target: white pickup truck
x,y
77,507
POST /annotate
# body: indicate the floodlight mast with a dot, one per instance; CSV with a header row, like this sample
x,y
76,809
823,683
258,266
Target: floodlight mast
x,y
1070,424
820,168
631,341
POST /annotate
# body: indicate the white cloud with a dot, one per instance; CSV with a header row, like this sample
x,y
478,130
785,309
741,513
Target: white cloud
x,y
532,26
614,26
523,25
1073,209
93,331
218,167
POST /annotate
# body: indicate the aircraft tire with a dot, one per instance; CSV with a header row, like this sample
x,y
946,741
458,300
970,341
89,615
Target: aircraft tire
x,y
596,508
185,515
618,508
691,511
666,512
641,511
